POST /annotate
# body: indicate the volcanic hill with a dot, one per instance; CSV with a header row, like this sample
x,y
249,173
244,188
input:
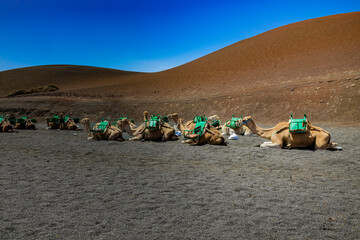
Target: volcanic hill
x,y
309,67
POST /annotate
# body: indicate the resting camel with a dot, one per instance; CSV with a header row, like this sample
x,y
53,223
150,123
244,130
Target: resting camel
x,y
212,120
210,135
5,126
68,125
242,130
110,133
315,138
164,133
27,124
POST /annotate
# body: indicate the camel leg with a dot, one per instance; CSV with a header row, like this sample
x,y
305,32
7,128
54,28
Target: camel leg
x,y
188,141
321,142
215,140
226,131
174,137
270,145
276,142
137,137
248,133
114,135
334,146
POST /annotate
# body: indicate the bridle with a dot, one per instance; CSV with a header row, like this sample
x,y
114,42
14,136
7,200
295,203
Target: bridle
x,y
242,123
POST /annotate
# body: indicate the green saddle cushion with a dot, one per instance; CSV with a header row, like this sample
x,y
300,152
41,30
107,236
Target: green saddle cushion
x,y
298,125
154,122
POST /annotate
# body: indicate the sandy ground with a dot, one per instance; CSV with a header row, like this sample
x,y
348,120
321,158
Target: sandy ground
x,y
54,185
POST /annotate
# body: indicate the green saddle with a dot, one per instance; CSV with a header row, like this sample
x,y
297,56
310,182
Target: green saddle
x,y
24,118
199,129
298,125
11,119
21,120
233,121
199,119
1,118
154,122
99,128
215,123
54,119
121,118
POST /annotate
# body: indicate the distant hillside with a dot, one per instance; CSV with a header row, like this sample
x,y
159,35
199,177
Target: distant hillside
x,y
64,76
311,66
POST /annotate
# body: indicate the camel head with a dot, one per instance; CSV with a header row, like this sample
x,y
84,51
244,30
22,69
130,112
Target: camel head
x,y
6,127
121,124
85,121
146,114
213,117
29,123
71,124
242,121
174,117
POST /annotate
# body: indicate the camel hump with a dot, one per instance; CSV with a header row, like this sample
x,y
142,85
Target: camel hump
x,y
312,127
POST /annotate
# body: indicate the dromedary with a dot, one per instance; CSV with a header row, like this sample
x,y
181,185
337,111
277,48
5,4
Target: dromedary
x,y
239,130
62,122
280,136
5,126
68,125
215,122
163,131
109,133
26,123
210,135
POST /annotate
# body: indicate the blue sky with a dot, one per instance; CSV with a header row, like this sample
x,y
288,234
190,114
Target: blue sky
x,y
139,35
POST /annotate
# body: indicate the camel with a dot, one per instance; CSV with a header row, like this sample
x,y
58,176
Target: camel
x,y
5,126
215,122
67,124
280,136
242,130
110,132
27,123
211,135
163,132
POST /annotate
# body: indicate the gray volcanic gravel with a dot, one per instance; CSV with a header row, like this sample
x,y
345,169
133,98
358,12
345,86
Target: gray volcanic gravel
x,y
54,185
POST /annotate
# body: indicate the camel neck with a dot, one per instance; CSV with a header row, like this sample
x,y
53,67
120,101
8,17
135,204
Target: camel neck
x,y
262,132
87,127
130,129
181,126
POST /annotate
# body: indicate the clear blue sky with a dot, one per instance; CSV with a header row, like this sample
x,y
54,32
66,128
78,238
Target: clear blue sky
x,y
140,35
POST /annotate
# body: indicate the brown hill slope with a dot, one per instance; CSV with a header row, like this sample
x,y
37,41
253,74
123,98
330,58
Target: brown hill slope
x,y
310,66
64,76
